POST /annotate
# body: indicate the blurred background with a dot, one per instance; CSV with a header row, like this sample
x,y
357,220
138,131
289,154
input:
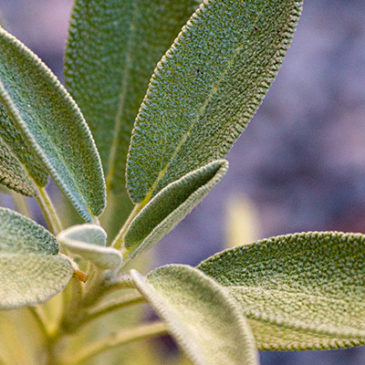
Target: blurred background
x,y
299,166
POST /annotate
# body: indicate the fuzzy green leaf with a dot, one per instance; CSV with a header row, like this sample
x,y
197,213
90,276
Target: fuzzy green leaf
x,y
302,291
12,173
30,269
21,154
171,205
88,242
90,233
202,318
52,124
112,49
206,88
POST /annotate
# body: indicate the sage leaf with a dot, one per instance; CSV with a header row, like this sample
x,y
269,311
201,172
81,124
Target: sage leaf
x,y
31,271
25,160
300,291
112,49
206,88
90,233
12,173
171,205
200,315
88,242
52,124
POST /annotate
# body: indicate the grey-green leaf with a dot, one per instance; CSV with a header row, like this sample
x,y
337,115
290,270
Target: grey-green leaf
x,y
52,124
202,318
112,49
302,291
171,205
21,154
31,271
12,173
207,87
88,242
90,233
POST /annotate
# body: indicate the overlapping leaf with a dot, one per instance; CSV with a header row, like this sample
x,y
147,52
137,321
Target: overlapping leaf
x,y
200,315
30,269
17,152
51,124
12,173
206,88
171,205
300,291
111,52
88,241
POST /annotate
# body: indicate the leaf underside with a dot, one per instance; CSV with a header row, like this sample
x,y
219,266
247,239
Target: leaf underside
x,y
51,124
28,279
111,52
171,205
30,269
12,173
207,88
300,292
201,317
89,233
88,242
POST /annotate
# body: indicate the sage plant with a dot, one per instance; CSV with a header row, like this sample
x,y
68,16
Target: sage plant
x,y
133,163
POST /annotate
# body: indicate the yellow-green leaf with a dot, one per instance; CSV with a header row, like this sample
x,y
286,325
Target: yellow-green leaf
x,y
206,88
301,291
88,242
31,271
112,49
171,205
51,123
201,317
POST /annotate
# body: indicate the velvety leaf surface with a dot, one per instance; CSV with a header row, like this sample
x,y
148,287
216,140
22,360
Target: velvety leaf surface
x,y
90,233
112,49
171,205
30,269
88,242
52,124
200,315
12,173
23,152
207,87
300,291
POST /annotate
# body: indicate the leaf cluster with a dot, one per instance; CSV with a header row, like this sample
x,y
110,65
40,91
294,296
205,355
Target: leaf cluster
x,y
156,94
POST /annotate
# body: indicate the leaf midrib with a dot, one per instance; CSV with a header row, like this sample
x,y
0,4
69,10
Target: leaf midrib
x,y
293,293
285,322
122,97
214,89
17,118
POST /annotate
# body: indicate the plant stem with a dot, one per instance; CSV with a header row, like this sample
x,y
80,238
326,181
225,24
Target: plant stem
x,y
119,239
39,318
102,284
49,212
94,289
96,221
118,339
123,282
21,204
72,302
127,301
